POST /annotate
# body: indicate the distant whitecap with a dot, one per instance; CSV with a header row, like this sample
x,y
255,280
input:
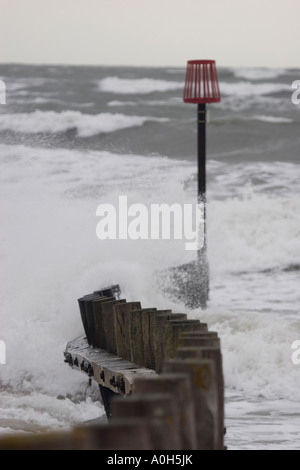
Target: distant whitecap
x,y
86,124
137,86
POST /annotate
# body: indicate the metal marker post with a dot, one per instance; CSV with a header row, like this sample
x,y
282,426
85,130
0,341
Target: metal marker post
x,y
201,87
202,164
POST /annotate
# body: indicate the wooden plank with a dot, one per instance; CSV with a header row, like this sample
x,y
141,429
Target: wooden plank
x,y
146,315
214,354
122,327
108,313
131,375
57,440
160,336
173,330
202,374
203,334
199,341
90,318
113,371
136,335
155,333
111,291
152,334
104,365
85,315
180,387
98,318
119,377
118,434
161,412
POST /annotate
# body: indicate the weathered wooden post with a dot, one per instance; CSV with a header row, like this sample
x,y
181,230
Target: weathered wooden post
x,y
108,315
153,334
120,434
122,327
54,440
180,387
162,415
87,316
136,335
214,354
100,341
173,330
199,339
202,374
160,336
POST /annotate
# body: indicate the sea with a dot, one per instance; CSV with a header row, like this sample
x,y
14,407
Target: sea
x,y
72,138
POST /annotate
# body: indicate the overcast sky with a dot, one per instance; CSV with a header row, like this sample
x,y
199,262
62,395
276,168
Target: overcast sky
x,y
151,32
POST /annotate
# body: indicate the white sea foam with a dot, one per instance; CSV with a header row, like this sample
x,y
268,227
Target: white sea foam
x,y
50,256
121,103
39,412
245,180
50,250
257,352
248,233
259,424
257,73
86,124
142,86
35,99
174,101
261,103
271,119
16,85
246,88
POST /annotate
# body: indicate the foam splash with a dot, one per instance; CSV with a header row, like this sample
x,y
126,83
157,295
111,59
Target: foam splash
x,y
256,352
50,256
36,412
248,233
44,202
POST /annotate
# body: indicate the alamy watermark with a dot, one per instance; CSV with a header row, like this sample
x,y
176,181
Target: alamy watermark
x,y
296,354
2,352
2,92
161,221
295,96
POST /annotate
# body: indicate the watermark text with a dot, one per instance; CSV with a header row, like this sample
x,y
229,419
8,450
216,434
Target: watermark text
x,y
296,95
2,352
296,354
2,92
161,221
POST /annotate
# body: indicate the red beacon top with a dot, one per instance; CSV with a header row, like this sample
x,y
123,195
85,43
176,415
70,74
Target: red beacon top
x,y
201,82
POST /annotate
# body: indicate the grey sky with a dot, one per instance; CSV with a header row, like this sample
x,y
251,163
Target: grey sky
x,y
151,32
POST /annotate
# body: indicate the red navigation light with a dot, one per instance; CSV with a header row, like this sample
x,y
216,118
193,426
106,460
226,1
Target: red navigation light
x,y
201,82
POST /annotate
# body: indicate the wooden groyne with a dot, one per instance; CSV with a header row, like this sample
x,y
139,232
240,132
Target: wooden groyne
x,y
160,376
